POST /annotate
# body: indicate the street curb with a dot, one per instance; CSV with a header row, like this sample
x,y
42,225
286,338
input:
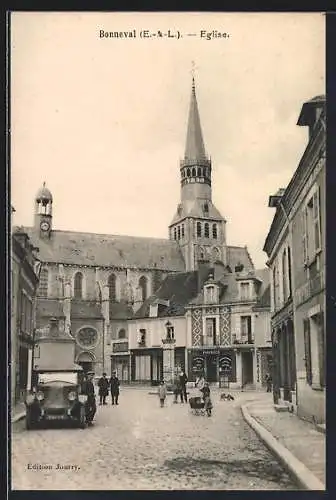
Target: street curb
x,y
18,417
303,475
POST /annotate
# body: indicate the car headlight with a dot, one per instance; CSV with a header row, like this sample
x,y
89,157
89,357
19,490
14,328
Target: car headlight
x,y
82,398
40,396
30,398
72,396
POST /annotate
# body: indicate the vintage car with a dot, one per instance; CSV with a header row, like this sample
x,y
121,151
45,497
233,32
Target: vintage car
x,y
56,395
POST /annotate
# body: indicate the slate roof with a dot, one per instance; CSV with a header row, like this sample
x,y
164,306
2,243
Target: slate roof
x,y
239,255
194,208
264,299
179,289
85,309
194,144
71,247
120,310
49,308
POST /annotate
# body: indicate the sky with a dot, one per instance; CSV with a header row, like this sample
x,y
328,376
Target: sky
x,y
103,120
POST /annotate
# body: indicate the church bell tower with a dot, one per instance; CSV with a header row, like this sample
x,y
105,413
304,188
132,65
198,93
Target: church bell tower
x,y
197,225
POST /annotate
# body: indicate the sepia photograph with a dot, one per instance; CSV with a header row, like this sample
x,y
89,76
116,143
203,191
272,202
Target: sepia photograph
x,y
167,251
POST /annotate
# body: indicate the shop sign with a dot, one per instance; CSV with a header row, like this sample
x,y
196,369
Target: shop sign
x,y
210,351
120,347
197,364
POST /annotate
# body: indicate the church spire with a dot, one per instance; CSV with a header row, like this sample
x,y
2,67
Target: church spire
x,y
194,149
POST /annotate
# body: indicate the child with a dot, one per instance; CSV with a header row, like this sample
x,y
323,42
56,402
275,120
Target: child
x,y
207,399
162,391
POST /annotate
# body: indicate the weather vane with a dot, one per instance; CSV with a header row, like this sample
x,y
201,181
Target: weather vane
x,y
193,67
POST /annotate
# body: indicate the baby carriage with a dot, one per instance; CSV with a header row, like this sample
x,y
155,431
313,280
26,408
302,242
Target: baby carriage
x,y
199,406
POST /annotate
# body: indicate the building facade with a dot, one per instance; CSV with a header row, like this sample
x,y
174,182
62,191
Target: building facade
x,y
118,296
295,246
24,282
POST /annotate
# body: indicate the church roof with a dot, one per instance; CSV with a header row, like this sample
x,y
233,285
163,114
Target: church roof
x,y
194,144
85,309
71,247
179,289
195,208
239,255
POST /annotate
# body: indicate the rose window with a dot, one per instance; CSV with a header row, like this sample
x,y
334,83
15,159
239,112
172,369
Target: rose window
x,y
87,337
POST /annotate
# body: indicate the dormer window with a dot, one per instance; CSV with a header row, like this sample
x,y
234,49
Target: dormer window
x,y
170,333
206,208
245,291
142,337
210,294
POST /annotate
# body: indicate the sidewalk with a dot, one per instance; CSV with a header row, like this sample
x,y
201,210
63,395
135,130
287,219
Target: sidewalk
x,y
297,443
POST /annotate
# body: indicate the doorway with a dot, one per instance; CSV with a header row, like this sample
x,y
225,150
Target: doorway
x,y
211,368
86,365
247,367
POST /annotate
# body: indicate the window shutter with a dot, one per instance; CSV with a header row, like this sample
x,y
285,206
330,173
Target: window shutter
x,y
321,347
307,346
304,235
316,218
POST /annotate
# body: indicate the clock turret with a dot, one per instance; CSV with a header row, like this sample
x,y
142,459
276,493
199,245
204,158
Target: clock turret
x,y
43,211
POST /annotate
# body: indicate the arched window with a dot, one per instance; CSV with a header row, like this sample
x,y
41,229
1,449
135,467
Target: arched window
x,y
182,230
201,253
215,254
143,286
199,229
43,284
199,171
178,232
206,230
204,172
78,286
194,172
174,233
112,288
188,172
214,231
122,333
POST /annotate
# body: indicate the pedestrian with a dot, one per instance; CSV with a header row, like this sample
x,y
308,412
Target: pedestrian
x,y
183,384
268,379
177,390
207,399
162,392
90,405
114,387
200,381
103,385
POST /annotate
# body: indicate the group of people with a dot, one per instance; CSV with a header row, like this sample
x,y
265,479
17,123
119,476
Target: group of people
x,y
104,385
180,389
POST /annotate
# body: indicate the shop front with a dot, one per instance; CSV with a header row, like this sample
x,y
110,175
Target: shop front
x,y
214,363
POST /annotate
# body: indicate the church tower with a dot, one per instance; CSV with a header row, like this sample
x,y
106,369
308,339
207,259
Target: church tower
x,y
197,225
43,212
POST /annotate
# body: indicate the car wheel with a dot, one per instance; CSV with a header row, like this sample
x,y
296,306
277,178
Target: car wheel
x,y
82,419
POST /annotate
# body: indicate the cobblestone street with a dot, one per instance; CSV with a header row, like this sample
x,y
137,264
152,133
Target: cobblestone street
x,y
138,445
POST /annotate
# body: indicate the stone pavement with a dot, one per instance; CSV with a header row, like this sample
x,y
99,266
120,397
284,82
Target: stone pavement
x,y
18,412
297,443
138,445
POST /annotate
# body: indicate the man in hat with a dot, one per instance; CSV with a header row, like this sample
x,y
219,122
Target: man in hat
x,y
103,385
90,405
114,387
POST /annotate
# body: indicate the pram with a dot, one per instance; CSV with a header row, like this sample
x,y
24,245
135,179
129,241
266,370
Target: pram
x,y
197,405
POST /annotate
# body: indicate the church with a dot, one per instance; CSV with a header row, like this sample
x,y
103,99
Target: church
x,y
131,303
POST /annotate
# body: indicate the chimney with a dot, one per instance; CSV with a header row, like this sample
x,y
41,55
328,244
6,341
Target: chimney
x,y
202,273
